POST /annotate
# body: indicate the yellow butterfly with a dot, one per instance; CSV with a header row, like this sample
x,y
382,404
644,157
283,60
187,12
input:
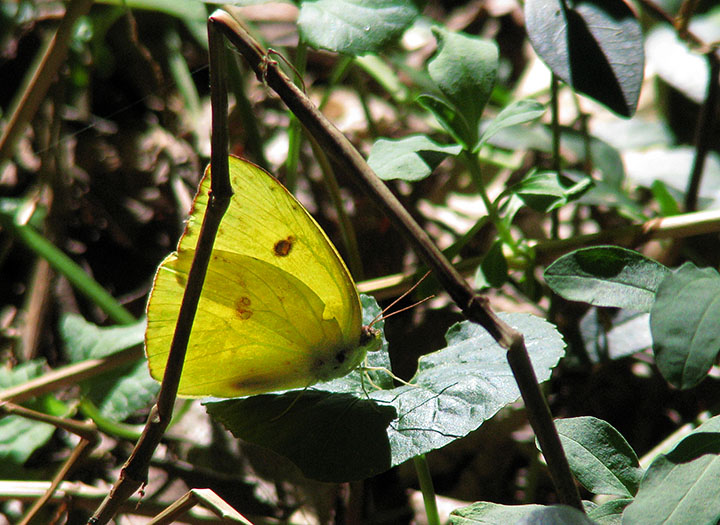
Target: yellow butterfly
x,y
278,308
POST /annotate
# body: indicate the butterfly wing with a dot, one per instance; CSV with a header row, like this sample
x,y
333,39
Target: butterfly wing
x,y
278,308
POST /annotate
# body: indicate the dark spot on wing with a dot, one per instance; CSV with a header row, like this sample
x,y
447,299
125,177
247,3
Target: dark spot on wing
x,y
283,246
242,308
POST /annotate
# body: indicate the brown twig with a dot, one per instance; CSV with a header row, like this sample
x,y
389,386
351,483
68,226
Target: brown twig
x,y
69,375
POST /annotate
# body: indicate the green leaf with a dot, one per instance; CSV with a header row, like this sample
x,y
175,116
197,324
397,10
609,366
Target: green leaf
x,y
493,270
519,112
449,118
411,158
682,485
464,69
361,431
121,392
88,341
354,27
609,513
595,47
684,323
545,191
493,513
606,276
599,456
667,203
20,437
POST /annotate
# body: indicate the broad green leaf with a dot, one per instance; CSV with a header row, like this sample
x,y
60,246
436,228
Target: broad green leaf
x,y
546,191
682,486
411,158
119,393
464,69
494,513
595,47
684,323
606,276
519,112
88,341
493,270
599,456
363,431
354,27
20,437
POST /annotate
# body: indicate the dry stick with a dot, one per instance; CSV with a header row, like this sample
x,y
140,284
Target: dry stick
x,y
704,132
69,375
135,471
474,307
205,497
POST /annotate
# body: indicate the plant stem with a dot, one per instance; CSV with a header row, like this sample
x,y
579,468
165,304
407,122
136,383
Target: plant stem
x,y
555,112
341,69
294,128
426,487
347,231
473,165
703,133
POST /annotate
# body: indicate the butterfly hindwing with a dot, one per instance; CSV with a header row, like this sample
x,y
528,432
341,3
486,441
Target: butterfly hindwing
x,y
278,308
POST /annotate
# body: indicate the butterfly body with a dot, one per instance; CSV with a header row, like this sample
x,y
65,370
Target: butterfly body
x,y
278,308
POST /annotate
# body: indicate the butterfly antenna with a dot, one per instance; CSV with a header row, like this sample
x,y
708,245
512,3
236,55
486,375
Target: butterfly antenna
x,y
267,61
382,315
421,301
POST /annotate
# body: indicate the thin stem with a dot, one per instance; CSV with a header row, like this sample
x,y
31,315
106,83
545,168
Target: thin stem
x,y
69,375
704,136
555,114
473,165
427,489
341,69
135,471
294,128
252,138
346,227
